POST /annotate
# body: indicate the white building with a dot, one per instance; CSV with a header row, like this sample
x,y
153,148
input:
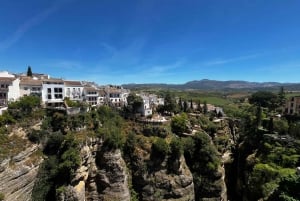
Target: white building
x,y
145,109
117,95
53,92
30,86
73,90
102,98
91,95
9,88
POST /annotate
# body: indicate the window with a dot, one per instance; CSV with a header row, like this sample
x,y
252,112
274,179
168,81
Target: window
x,y
57,90
49,90
49,96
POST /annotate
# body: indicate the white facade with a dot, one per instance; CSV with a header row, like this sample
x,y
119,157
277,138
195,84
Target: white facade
x,y
53,91
30,86
91,95
14,90
145,109
73,90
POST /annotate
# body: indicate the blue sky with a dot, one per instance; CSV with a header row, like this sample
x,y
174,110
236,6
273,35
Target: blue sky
x,y
152,41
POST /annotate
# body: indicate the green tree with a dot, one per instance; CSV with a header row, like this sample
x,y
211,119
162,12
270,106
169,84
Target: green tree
x,y
176,147
170,104
159,149
281,96
134,102
265,99
185,106
29,72
179,124
180,104
205,108
191,104
199,108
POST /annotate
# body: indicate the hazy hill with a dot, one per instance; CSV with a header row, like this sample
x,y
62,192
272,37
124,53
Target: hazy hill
x,y
216,85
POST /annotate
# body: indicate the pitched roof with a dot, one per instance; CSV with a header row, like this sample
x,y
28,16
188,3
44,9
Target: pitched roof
x,y
54,80
31,82
7,79
73,83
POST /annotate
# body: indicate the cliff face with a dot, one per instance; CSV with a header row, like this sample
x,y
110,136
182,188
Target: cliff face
x,y
101,176
163,185
18,174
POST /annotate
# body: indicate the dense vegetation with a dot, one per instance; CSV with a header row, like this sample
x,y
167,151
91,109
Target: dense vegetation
x,y
265,154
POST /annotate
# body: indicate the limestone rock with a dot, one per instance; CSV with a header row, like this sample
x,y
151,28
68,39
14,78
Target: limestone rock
x,y
161,185
18,175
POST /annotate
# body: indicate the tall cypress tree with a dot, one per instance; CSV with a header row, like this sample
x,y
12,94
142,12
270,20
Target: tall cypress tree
x,y
29,72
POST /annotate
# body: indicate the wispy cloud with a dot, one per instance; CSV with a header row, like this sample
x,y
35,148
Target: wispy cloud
x,y
67,65
231,60
29,24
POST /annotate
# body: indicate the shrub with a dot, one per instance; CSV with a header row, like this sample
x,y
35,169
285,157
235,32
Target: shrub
x,y
159,148
176,148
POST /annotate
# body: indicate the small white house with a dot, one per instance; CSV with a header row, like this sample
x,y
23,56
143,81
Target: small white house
x,y
73,90
145,108
53,92
9,90
91,95
30,86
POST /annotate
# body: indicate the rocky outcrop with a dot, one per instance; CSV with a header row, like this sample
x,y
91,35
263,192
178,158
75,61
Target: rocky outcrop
x,y
111,178
168,186
101,176
19,174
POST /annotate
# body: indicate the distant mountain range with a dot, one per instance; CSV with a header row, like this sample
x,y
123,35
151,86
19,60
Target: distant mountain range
x,y
214,85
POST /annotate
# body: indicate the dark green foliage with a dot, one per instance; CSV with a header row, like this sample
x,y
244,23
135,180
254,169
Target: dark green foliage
x,y
281,97
203,161
288,189
294,130
205,108
179,124
59,168
130,144
281,126
111,128
6,118
134,102
159,149
58,121
158,131
265,99
71,103
44,187
29,71
185,106
53,144
37,136
176,148
24,106
114,140
170,104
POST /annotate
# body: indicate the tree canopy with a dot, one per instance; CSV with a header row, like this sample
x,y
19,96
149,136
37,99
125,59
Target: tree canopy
x,y
265,99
